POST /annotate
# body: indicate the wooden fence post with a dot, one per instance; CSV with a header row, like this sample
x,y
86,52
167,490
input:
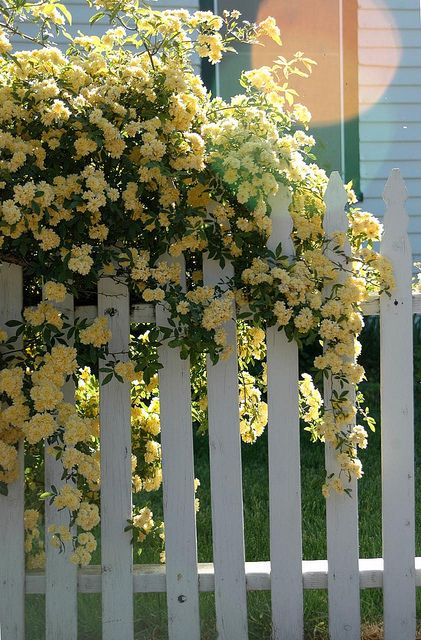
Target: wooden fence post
x,y
12,557
226,480
397,421
60,573
341,510
116,473
284,458
178,488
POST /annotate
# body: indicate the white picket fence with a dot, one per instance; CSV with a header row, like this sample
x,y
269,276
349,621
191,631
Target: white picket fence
x,y
230,577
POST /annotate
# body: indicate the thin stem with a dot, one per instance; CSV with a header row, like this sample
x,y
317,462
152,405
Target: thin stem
x,y
17,32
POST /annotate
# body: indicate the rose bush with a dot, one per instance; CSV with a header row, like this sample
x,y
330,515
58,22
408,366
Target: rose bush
x,y
115,160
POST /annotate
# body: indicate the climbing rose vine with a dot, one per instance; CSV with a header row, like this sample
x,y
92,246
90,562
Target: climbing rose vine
x,y
115,160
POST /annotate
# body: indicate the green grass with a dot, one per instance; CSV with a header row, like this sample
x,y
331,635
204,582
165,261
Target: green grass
x,y
150,609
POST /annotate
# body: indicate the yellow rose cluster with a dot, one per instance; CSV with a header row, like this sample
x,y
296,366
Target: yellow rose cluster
x,y
116,161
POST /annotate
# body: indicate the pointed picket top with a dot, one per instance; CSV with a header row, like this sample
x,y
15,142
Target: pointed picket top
x,y
335,198
396,219
282,224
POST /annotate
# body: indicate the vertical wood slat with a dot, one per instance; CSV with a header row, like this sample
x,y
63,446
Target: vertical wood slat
x,y
341,510
12,557
61,574
397,421
284,458
226,481
182,584
116,480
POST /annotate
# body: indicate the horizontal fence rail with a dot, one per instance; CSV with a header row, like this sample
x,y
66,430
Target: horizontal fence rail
x,y
152,579
229,577
146,314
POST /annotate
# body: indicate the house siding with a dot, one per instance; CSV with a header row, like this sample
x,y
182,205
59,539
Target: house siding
x,y
81,13
389,52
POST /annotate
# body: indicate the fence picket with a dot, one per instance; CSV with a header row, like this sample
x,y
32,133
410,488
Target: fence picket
x,y
12,557
226,481
116,480
346,575
182,584
341,510
284,458
397,422
61,574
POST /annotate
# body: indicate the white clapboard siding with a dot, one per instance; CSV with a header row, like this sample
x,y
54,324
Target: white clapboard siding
x,y
389,52
397,422
379,18
178,478
372,187
373,169
397,112
387,57
369,95
388,4
226,481
116,476
61,574
341,510
284,457
384,38
382,76
12,556
385,132
386,149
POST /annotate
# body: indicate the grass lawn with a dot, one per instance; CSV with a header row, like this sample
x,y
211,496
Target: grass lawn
x,y
150,609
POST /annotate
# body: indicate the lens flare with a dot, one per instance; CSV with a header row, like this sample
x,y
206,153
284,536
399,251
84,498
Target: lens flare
x,y
370,47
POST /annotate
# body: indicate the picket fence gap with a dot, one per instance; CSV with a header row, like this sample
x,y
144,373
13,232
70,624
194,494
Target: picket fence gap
x,y
230,577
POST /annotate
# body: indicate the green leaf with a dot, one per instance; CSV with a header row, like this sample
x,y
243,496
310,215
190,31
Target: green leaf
x,y
64,10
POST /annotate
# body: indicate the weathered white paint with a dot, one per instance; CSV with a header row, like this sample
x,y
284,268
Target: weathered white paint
x,y
341,510
397,422
12,556
116,477
178,475
284,458
226,481
61,574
